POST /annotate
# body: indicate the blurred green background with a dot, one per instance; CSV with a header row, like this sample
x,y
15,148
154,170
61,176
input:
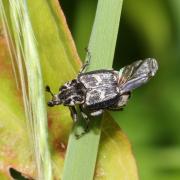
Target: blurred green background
x,y
152,118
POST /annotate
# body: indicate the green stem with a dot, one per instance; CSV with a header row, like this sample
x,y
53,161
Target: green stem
x,y
81,153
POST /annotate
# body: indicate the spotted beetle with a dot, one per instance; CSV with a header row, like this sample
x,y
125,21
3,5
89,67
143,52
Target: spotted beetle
x,y
103,89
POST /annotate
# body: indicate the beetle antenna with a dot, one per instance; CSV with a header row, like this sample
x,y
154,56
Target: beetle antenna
x,y
49,90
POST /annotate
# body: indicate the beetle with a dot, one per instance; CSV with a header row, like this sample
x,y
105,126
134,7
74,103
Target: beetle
x,y
102,89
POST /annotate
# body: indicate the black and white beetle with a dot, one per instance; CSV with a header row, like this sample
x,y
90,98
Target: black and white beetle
x,y
103,89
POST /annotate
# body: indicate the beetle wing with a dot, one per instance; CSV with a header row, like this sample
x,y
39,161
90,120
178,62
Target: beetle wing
x,y
126,72
101,88
99,78
136,74
101,96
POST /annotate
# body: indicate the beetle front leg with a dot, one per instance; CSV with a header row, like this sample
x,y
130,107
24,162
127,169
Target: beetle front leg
x,y
73,113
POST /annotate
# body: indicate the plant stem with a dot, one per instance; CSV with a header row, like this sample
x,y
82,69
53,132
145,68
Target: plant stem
x,y
81,153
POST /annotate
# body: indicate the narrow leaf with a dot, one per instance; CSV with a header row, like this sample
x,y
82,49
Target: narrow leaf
x,y
81,154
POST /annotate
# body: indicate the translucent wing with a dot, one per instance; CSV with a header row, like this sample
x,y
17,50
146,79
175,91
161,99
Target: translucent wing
x,y
136,74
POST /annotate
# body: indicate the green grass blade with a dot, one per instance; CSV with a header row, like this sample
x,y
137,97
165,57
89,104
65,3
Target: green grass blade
x,y
81,154
104,34
24,48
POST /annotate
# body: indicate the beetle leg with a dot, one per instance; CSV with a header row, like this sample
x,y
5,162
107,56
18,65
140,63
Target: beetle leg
x,y
73,113
88,55
85,116
86,128
87,61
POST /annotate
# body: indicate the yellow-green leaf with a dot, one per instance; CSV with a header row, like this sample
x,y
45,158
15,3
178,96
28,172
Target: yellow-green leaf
x,y
60,63
15,146
115,158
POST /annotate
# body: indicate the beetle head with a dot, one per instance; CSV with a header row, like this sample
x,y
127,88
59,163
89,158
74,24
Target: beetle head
x,y
55,101
70,94
55,98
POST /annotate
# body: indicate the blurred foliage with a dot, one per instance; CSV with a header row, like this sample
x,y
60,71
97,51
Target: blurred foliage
x,y
152,117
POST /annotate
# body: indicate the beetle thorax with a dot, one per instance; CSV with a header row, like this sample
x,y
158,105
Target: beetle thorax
x,y
72,93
